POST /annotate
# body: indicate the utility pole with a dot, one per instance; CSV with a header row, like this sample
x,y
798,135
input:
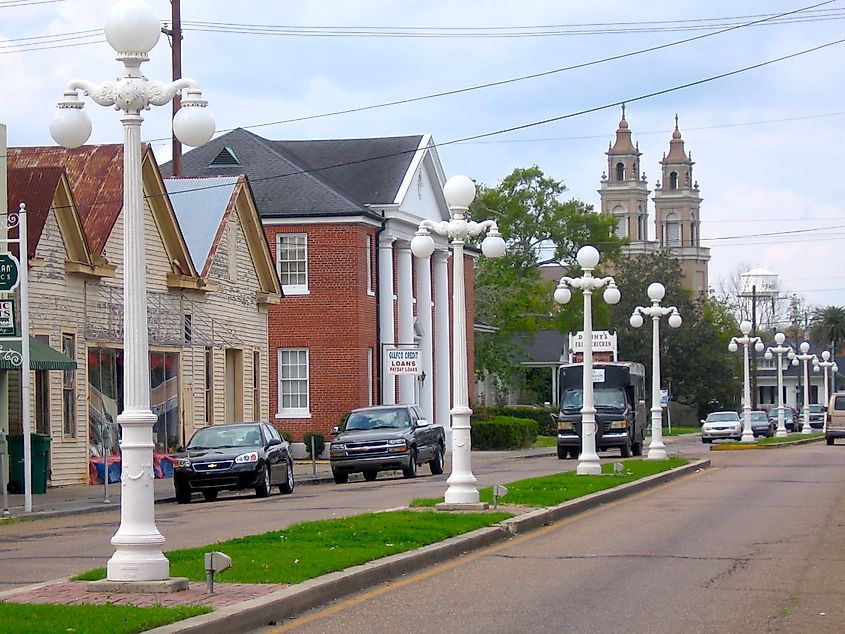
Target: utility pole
x,y
175,35
753,350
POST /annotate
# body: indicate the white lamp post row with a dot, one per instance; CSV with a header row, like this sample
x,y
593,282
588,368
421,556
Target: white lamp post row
x,y
459,192
588,258
132,30
656,291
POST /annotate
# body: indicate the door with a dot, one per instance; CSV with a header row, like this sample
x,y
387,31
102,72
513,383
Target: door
x,y
234,385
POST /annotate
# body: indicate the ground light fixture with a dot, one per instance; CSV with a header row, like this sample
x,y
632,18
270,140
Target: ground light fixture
x,y
132,30
588,259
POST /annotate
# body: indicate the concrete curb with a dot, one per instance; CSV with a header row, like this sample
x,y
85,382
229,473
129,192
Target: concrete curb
x,y
301,597
779,445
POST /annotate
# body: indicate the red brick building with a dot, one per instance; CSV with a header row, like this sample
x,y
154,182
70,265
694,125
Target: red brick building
x,y
339,216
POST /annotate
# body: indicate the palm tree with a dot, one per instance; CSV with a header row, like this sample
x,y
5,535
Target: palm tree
x,y
827,326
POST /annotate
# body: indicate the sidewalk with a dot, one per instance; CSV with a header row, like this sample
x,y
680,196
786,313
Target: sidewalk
x,y
89,498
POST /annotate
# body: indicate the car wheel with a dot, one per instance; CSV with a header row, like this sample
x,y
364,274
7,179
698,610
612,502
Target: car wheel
x,y
183,494
369,476
436,463
411,470
573,453
829,441
340,477
706,441
263,488
625,450
210,495
637,448
561,452
287,486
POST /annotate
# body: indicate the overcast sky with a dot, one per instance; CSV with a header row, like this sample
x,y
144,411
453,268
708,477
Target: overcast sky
x,y
766,142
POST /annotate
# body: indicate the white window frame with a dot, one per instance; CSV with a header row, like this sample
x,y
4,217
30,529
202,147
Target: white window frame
x,y
301,287
299,411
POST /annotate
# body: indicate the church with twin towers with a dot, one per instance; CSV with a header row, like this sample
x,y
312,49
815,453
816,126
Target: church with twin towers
x,y
677,205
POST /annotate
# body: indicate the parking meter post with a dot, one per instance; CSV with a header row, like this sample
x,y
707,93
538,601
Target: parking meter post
x,y
4,473
313,460
209,581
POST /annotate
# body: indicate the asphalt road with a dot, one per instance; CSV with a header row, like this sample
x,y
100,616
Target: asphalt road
x,y
754,544
47,549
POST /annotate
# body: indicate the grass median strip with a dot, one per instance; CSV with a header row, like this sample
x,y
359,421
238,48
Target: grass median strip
x,y
562,487
23,618
311,549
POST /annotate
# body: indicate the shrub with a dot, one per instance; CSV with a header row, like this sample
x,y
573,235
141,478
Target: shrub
x,y
503,432
319,443
285,435
546,426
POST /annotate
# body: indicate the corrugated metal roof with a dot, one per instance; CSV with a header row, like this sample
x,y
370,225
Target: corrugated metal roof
x,y
199,205
95,174
36,187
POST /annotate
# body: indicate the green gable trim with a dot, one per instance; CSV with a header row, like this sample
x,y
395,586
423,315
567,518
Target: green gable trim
x,y
41,356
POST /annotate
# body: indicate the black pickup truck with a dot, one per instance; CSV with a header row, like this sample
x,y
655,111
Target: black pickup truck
x,y
385,438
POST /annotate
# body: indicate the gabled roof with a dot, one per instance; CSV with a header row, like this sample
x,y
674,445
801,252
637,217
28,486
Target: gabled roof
x,y
43,189
200,205
95,175
308,178
203,206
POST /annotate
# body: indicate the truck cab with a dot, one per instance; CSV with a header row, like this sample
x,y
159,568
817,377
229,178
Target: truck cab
x,y
619,400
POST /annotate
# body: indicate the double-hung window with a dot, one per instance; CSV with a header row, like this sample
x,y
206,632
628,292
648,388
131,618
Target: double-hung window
x,y
292,262
293,382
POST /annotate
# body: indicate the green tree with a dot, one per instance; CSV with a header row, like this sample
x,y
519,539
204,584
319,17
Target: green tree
x,y
827,327
511,296
694,358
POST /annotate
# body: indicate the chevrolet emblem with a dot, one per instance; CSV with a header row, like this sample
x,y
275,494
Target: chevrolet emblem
x,y
212,465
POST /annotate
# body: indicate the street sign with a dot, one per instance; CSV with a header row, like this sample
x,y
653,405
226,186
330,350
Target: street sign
x,y
9,267
664,398
7,318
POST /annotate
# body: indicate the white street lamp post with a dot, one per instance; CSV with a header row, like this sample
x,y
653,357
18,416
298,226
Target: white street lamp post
x,y
656,291
745,341
806,357
828,365
459,192
132,30
588,258
780,350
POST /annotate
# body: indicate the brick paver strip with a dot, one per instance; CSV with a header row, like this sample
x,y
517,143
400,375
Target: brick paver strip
x,y
76,593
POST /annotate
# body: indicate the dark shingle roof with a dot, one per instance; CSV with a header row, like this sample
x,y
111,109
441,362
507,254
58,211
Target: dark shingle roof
x,y
309,178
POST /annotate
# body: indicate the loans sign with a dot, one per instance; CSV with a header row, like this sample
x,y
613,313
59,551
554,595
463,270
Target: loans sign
x,y
9,267
402,360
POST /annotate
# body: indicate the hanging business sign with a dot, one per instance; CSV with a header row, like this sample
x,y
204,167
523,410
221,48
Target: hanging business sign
x,y
402,360
9,268
7,318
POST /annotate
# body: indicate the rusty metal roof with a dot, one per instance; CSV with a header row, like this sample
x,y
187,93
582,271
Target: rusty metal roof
x,y
36,187
95,174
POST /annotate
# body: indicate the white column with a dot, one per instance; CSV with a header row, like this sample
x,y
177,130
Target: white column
x,y
405,313
747,434
137,542
442,376
423,268
588,461
385,314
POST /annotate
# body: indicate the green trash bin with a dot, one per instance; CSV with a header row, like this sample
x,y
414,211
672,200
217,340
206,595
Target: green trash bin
x,y
40,450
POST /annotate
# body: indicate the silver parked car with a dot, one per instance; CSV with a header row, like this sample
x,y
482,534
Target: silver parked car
x,y
721,425
762,425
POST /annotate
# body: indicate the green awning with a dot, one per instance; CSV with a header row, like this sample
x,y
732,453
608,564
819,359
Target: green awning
x,y
41,356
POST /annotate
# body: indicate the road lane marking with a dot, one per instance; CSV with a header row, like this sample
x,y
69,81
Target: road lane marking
x,y
450,565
